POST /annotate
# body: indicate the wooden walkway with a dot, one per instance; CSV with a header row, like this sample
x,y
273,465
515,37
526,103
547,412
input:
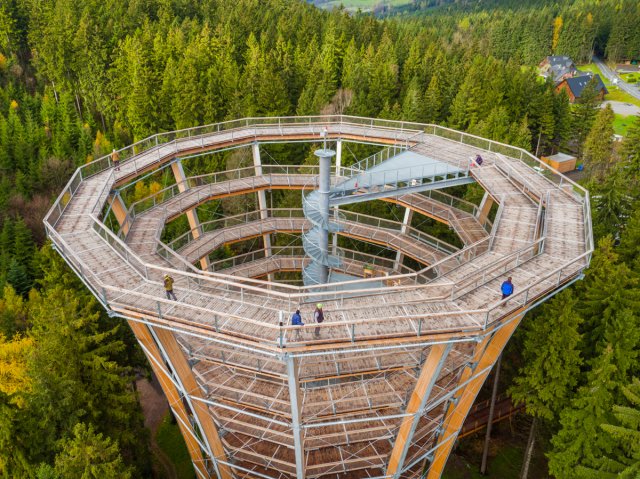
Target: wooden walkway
x,y
229,325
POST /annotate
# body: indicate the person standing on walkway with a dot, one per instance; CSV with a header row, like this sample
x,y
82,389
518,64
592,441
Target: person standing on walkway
x,y
507,289
318,316
115,158
168,287
296,319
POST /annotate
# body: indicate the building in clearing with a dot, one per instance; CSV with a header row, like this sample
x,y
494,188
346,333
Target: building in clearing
x,y
561,162
575,86
557,68
381,388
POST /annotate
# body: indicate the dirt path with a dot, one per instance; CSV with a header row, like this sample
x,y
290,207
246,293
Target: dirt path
x,y
155,408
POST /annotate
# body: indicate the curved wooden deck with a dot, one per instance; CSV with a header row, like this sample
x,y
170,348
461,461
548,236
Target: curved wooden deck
x,y
387,379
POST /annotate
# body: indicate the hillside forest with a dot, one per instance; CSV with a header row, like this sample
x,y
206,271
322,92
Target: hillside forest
x,y
80,77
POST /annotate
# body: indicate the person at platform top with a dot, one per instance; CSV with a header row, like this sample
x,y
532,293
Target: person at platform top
x,y
115,158
296,319
507,289
168,287
318,316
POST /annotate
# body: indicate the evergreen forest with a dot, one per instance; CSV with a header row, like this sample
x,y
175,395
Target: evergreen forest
x,y
81,77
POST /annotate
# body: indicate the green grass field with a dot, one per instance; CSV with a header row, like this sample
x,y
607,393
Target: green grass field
x,y
172,444
630,77
593,68
622,123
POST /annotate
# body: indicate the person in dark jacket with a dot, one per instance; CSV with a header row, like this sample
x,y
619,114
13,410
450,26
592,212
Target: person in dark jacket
x,y
318,316
507,289
296,319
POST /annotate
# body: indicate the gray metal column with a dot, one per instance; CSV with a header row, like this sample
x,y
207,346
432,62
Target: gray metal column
x,y
324,188
296,414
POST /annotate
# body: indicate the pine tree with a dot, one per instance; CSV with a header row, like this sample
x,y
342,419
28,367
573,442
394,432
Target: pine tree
x,y
624,431
433,101
611,202
412,106
584,113
19,278
580,440
609,289
630,148
90,455
598,148
551,358
629,248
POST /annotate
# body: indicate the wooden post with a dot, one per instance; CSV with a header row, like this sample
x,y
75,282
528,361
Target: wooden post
x,y
487,352
120,212
485,208
182,369
143,335
428,376
192,215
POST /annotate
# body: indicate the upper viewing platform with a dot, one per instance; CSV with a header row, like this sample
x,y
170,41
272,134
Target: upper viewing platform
x,y
541,235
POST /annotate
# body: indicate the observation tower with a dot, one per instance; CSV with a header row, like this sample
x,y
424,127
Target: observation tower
x,y
381,388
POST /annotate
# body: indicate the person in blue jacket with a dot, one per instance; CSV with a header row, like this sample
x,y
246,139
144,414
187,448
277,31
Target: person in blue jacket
x,y
296,319
507,289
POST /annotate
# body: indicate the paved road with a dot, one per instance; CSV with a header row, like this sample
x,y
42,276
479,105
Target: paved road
x,y
623,108
612,75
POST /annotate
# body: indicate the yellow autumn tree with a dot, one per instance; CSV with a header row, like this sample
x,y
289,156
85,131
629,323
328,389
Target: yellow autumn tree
x,y
14,378
557,28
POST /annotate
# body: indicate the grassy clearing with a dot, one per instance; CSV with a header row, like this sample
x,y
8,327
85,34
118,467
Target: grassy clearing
x,y
615,94
622,123
172,444
593,68
630,77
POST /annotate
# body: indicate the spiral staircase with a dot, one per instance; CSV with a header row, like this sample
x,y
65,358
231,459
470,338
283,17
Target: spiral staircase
x,y
385,174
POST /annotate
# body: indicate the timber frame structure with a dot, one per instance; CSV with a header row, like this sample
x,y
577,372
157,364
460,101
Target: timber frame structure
x,y
381,388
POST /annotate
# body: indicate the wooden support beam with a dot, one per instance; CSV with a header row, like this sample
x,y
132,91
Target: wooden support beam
x,y
485,208
120,212
144,337
192,215
262,198
428,376
487,352
182,369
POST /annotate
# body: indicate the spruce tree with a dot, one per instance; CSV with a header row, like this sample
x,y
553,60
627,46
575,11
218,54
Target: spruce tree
x,y
551,359
598,147
584,112
624,431
580,440
609,288
90,455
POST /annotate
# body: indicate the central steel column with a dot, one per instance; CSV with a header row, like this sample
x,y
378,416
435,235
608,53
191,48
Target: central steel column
x,y
324,187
